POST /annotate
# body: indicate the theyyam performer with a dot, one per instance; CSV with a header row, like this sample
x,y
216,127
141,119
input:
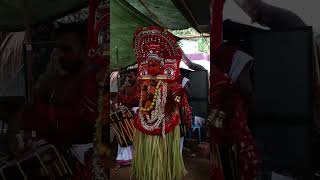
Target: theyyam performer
x,y
156,145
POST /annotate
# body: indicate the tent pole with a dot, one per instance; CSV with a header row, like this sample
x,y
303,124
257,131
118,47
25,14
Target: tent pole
x,y
28,45
316,53
118,83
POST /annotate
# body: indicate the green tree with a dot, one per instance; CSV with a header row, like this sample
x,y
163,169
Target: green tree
x,y
203,42
204,45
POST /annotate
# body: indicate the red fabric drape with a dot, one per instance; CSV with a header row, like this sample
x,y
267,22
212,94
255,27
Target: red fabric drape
x,y
216,8
227,99
216,37
235,130
216,24
86,172
92,41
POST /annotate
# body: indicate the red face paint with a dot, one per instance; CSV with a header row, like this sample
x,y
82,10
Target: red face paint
x,y
154,67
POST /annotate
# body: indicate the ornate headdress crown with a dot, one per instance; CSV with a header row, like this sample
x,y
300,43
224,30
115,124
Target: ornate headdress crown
x,y
153,51
157,44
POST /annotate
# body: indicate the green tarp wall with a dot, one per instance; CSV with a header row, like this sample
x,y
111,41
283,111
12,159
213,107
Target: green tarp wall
x,y
128,15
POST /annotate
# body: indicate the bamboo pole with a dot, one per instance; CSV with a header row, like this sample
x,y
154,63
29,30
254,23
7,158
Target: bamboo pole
x,y
118,64
28,41
316,61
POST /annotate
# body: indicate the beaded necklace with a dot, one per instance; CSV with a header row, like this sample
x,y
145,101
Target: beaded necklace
x,y
152,115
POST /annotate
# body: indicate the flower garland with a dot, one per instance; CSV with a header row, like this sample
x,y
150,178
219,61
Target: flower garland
x,y
157,107
98,26
101,153
153,100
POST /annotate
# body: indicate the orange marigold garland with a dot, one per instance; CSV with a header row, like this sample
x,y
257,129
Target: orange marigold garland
x,y
101,162
98,28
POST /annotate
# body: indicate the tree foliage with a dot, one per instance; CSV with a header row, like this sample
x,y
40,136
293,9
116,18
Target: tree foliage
x,y
203,43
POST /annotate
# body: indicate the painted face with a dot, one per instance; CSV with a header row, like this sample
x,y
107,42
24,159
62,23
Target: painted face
x,y
154,67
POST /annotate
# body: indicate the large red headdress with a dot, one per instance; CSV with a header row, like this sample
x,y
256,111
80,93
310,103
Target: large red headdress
x,y
154,43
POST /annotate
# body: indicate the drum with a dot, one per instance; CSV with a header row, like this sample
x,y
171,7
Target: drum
x,y
44,161
122,124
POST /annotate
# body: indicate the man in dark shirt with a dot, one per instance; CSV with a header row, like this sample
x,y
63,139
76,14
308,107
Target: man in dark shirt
x,y
64,109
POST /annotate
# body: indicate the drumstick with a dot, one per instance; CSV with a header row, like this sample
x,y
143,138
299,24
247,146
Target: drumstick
x,y
130,123
133,128
60,159
129,114
66,163
118,136
117,131
129,132
122,133
58,155
129,117
58,169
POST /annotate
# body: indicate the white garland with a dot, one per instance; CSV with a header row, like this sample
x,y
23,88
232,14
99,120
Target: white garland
x,y
97,168
158,113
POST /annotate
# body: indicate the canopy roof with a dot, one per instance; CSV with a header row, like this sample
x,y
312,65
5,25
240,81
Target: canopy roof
x,y
128,15
13,13
176,14
124,21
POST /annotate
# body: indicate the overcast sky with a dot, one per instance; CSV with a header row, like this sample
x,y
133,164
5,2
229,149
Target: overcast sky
x,y
308,10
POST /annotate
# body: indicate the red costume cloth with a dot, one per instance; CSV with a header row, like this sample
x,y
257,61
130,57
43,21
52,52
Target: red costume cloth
x,y
180,79
154,44
226,96
64,124
176,90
